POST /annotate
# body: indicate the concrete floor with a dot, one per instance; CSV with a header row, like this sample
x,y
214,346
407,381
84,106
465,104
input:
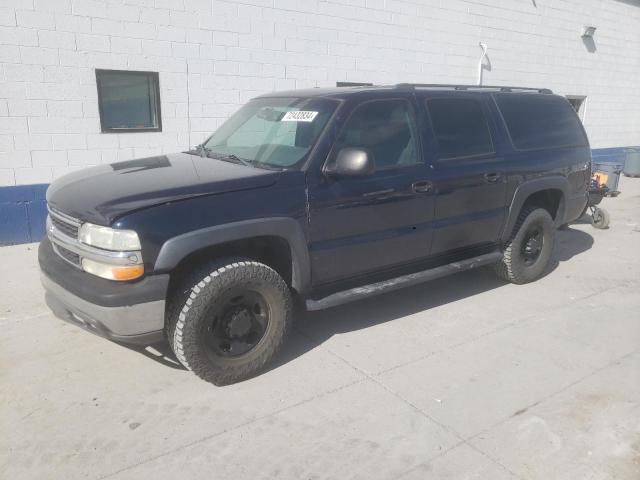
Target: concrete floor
x,y
461,378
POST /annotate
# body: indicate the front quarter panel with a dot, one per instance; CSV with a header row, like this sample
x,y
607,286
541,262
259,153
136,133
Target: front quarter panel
x,y
159,224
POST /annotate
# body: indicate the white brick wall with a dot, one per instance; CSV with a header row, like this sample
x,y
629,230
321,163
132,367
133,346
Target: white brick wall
x,y
213,55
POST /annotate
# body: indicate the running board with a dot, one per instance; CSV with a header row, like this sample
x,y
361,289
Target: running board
x,y
357,293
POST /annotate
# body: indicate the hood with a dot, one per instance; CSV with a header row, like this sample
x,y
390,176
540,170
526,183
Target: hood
x,y
101,194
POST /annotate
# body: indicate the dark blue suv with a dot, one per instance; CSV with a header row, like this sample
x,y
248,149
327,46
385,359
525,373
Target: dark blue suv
x,y
323,195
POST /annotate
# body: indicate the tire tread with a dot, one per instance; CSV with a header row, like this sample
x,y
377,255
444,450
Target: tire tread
x,y
507,267
191,302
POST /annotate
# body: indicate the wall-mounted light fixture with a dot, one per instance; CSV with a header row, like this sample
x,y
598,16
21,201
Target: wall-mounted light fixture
x,y
588,31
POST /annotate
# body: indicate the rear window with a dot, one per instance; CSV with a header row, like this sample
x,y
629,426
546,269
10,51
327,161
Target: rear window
x,y
460,127
540,121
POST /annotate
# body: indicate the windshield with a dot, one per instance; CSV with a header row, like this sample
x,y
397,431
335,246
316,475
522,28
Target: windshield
x,y
274,132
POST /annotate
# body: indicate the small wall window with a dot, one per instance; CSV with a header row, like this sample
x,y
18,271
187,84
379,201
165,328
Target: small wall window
x,y
128,101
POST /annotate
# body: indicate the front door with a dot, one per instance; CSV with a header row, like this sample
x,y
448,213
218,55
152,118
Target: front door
x,y
370,223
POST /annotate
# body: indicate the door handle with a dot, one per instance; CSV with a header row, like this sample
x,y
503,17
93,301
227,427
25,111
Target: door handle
x,y
422,187
492,177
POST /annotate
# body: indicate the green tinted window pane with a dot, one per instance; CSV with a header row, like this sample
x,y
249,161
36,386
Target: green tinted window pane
x,y
128,100
264,131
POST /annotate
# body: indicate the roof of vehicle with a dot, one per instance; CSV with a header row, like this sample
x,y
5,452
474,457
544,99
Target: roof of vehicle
x,y
341,92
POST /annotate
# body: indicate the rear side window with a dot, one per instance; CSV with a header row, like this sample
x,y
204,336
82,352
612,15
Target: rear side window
x,y
540,121
460,127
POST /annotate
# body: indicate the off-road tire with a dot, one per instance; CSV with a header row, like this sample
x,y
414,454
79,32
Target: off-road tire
x,y
188,310
512,267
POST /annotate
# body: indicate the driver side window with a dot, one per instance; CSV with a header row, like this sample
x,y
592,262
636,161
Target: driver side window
x,y
386,130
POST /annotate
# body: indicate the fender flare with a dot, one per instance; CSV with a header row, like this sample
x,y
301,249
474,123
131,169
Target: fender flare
x,y
526,189
177,248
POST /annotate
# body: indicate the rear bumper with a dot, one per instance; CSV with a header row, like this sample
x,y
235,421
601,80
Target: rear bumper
x,y
133,324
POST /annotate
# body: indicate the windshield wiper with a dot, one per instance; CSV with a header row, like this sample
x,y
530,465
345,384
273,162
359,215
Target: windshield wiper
x,y
204,151
234,158
207,152
197,150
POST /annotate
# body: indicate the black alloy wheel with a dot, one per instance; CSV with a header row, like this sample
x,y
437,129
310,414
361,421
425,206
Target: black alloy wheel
x,y
532,245
237,323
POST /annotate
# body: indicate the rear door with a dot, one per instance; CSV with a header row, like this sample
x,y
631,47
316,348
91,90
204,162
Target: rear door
x,y
469,175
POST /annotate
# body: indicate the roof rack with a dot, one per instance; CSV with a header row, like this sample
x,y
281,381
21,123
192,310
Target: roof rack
x,y
500,88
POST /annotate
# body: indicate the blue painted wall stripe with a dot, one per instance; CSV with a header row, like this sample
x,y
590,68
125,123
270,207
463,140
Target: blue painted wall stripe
x,y
609,155
23,208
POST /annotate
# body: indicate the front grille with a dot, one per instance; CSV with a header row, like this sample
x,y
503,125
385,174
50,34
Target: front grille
x,y
63,233
68,255
67,228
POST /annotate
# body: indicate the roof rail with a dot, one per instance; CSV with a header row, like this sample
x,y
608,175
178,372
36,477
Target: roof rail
x,y
500,88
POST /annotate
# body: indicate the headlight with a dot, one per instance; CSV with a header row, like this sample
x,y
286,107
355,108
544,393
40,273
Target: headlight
x,y
108,238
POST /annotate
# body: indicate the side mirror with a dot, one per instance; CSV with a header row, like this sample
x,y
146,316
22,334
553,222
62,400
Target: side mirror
x,y
351,162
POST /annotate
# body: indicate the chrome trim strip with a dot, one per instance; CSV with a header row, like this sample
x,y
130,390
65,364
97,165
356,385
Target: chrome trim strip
x,y
55,249
92,253
63,217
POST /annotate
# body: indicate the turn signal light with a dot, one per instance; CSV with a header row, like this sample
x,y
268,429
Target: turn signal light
x,y
112,272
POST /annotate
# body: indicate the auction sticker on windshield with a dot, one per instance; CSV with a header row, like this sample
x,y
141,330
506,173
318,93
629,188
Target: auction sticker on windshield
x,y
299,116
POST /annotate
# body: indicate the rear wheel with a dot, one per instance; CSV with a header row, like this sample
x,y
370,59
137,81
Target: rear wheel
x,y
230,320
527,253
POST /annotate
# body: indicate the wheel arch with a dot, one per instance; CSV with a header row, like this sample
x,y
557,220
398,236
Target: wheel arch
x,y
264,240
549,193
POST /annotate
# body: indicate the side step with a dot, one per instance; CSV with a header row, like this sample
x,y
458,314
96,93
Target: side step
x,y
357,293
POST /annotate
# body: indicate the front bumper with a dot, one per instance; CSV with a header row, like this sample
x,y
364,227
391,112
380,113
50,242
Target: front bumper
x,y
123,312
134,324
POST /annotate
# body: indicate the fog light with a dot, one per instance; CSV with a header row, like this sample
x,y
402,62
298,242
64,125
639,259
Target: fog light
x,y
112,272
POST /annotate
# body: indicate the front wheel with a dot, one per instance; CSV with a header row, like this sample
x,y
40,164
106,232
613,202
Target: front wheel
x,y
230,320
527,253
